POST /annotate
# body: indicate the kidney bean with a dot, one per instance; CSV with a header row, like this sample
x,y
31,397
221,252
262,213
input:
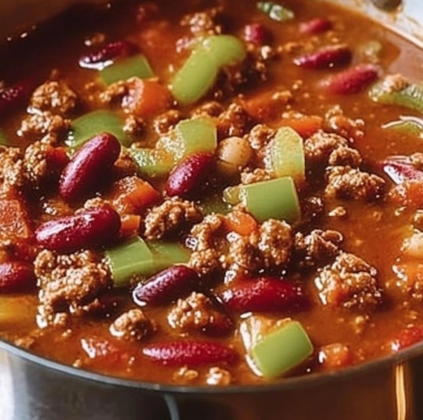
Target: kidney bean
x,y
265,294
13,96
100,58
327,57
400,169
16,276
257,34
166,286
351,80
89,168
90,228
191,353
407,337
189,175
315,26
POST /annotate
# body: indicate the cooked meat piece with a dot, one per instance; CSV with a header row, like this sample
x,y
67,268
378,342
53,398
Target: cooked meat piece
x,y
134,125
208,22
207,234
243,257
174,216
312,207
69,283
319,147
275,241
115,92
206,261
132,326
317,248
249,176
350,283
345,156
166,121
44,126
54,96
198,313
218,376
349,183
12,169
234,121
338,123
209,109
124,166
260,136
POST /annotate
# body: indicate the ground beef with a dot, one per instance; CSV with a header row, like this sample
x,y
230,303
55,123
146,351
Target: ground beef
x,y
349,283
317,248
208,109
54,96
349,183
234,121
198,313
206,261
12,169
312,208
218,376
44,126
125,166
174,216
249,176
345,156
207,234
243,257
115,92
36,163
134,125
274,239
336,122
69,283
208,22
132,326
166,121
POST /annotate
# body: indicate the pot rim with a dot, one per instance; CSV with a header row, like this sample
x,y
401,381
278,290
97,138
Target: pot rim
x,y
289,383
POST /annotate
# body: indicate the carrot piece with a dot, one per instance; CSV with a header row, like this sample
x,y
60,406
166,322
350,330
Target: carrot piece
x,y
304,125
14,220
146,98
240,222
132,195
130,224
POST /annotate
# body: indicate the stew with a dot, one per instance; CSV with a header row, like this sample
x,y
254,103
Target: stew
x,y
211,193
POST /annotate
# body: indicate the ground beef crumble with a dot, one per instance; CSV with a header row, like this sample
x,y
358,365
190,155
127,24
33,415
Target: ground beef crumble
x,y
350,283
207,22
69,283
172,217
132,326
12,169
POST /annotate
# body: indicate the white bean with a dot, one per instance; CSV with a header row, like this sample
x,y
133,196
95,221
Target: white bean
x,y
233,154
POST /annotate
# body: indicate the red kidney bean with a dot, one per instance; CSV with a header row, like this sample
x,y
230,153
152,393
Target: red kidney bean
x,y
16,276
13,96
166,286
351,80
98,59
265,294
90,228
315,26
257,34
327,57
189,175
400,169
191,353
407,337
89,168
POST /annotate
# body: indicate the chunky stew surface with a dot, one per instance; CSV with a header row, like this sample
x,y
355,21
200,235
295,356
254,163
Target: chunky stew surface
x,y
211,193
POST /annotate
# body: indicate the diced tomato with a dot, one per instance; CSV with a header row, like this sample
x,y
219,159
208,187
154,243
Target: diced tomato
x,y
240,222
104,351
304,125
130,224
146,98
407,337
14,220
409,193
132,195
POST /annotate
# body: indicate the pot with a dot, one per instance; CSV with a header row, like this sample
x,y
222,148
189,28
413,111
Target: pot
x,y
32,388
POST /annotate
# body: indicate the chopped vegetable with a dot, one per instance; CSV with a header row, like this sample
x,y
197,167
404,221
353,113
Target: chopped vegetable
x,y
396,90
240,222
93,123
282,349
273,199
275,11
167,254
14,220
190,136
125,68
407,125
198,74
287,154
151,162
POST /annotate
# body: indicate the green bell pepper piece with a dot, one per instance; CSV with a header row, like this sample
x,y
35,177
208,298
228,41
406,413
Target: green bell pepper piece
x,y
275,11
282,350
93,123
407,125
273,199
167,254
287,154
125,68
407,94
151,163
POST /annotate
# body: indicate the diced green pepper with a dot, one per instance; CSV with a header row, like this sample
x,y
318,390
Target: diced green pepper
x,y
93,123
273,199
275,11
401,92
4,140
125,68
407,125
198,74
129,260
282,350
168,253
287,154
190,136
151,163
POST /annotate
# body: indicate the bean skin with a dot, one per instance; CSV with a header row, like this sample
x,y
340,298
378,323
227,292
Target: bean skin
x,y
16,276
